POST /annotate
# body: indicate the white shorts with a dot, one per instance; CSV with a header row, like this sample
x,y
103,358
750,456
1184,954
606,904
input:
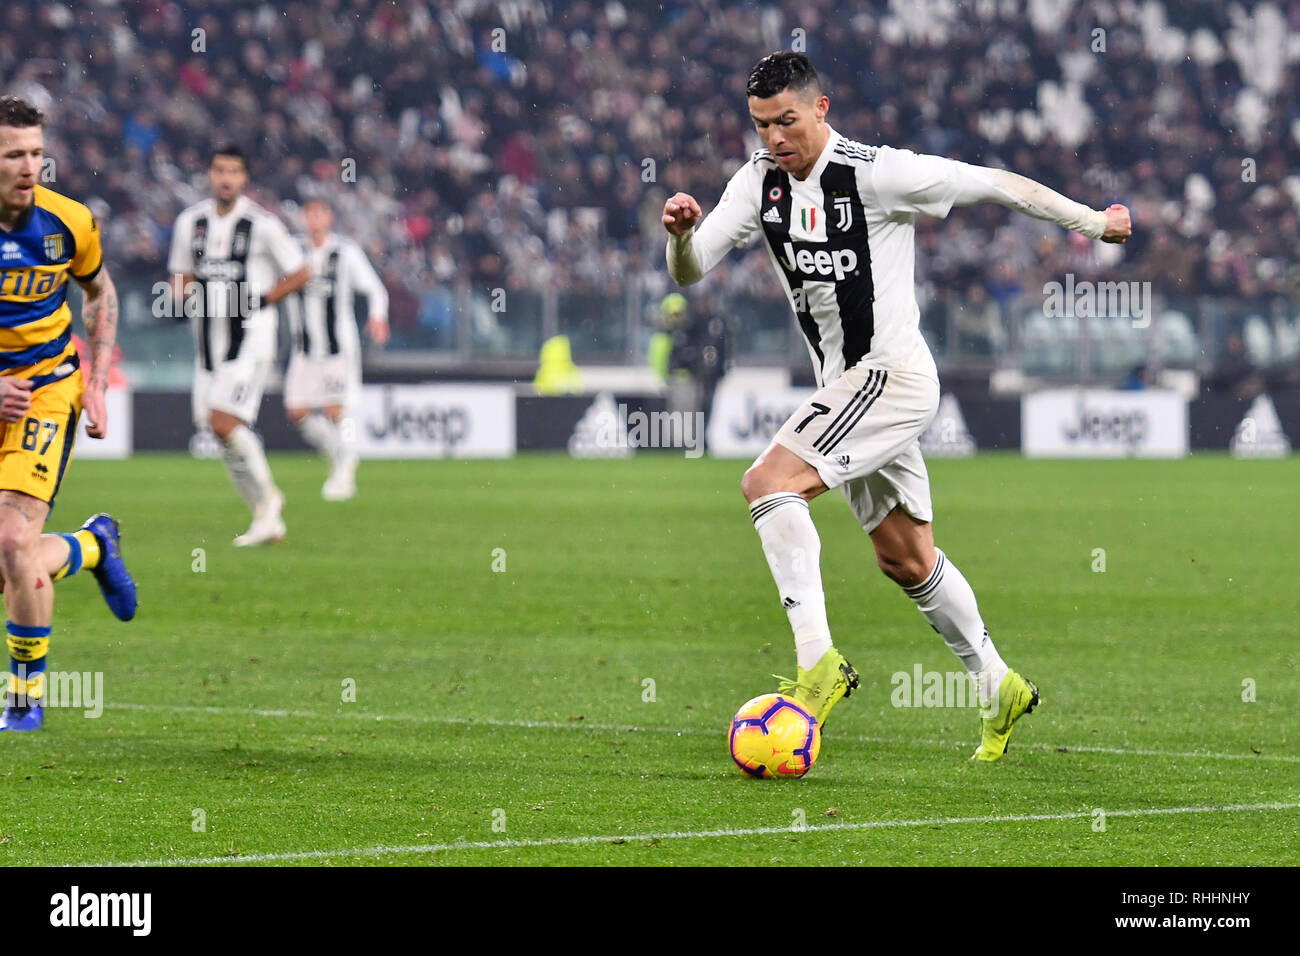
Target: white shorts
x,y
231,387
861,431
321,382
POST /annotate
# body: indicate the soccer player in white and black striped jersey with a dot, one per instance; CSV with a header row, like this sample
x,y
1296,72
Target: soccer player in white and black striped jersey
x,y
324,377
230,261
837,217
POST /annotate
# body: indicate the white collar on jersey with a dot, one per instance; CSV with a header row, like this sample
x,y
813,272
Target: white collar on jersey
x,y
825,156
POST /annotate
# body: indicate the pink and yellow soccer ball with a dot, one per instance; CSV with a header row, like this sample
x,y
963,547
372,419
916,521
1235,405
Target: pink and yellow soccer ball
x,y
773,736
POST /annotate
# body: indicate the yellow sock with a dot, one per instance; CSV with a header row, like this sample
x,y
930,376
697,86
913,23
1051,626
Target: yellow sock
x,y
89,548
83,552
27,649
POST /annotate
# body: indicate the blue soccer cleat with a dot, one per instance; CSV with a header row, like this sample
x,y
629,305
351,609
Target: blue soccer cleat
x,y
115,581
31,717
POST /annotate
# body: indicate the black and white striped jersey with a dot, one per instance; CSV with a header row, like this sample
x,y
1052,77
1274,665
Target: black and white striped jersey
x,y
842,242
322,320
246,251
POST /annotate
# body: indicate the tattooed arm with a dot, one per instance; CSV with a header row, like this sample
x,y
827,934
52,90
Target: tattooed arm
x,y
99,312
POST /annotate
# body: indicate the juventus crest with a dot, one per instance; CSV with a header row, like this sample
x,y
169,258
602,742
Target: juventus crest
x,y
843,206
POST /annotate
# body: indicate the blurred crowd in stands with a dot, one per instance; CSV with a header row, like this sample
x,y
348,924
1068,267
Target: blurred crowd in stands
x,y
520,144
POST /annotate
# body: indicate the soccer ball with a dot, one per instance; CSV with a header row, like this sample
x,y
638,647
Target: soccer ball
x,y
774,736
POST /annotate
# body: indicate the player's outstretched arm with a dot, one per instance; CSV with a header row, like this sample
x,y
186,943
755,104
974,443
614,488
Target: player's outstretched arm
x,y
99,311
692,251
976,184
287,256
681,213
288,284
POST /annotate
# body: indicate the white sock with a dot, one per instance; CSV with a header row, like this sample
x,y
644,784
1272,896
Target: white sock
x,y
948,603
249,470
346,429
240,476
321,433
793,550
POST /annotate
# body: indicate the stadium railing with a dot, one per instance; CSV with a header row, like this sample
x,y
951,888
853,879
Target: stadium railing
x,y
494,333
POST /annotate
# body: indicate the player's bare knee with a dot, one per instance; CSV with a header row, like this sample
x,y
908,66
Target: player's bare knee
x,y
889,567
761,479
17,548
223,424
296,415
754,483
11,553
905,570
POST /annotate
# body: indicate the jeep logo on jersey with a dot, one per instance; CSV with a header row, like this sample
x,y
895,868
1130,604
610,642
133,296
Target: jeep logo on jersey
x,y
819,262
319,285
220,270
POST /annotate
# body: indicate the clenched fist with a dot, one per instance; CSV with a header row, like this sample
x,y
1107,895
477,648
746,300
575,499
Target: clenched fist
x,y
1118,224
681,213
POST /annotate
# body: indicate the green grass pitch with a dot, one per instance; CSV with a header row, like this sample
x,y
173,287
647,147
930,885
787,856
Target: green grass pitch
x,y
505,716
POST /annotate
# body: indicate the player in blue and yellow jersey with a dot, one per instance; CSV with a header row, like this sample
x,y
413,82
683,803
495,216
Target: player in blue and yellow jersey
x,y
45,238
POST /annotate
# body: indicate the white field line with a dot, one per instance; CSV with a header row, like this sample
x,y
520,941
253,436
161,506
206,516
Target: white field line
x,y
376,851
675,731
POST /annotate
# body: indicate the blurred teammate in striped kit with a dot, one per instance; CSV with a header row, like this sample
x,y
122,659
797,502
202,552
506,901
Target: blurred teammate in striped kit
x,y
323,383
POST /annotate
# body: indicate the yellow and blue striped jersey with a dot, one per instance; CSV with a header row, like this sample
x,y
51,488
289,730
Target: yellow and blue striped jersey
x,y
56,238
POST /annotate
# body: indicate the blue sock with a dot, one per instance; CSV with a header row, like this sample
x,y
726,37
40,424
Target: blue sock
x,y
73,564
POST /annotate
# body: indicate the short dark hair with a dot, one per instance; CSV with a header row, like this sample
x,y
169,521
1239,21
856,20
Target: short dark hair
x,y
228,149
18,113
782,71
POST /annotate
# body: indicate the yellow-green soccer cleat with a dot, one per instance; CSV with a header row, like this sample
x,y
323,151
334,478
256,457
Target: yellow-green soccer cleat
x,y
1016,697
820,688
